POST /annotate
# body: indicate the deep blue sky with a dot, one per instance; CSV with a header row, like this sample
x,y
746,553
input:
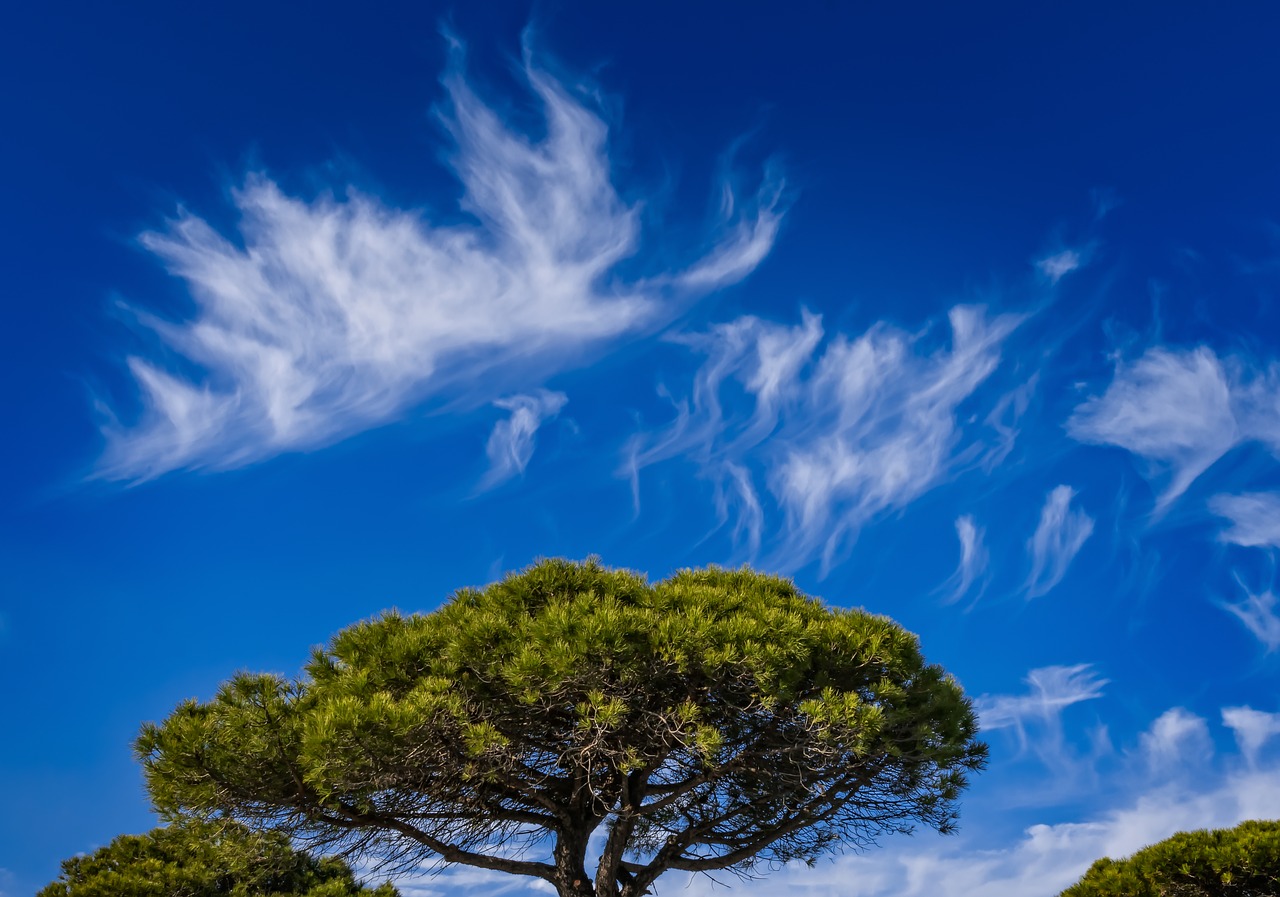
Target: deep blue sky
x,y
1001,275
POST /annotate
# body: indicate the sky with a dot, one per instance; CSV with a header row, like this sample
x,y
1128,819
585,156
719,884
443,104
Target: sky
x,y
962,313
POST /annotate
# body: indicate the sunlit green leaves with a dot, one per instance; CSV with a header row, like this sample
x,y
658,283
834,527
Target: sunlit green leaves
x,y
206,859
1239,862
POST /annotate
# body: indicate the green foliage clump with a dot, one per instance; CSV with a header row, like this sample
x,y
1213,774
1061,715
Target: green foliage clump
x,y
1239,862
714,720
206,859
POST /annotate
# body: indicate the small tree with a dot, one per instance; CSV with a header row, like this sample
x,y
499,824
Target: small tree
x,y
1239,862
715,720
206,859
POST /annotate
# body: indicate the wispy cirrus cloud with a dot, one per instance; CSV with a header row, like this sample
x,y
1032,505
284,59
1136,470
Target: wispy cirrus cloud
x,y
1038,711
1058,265
1252,729
1035,719
1173,409
1254,516
838,432
511,442
1258,612
1004,419
974,558
1181,411
323,317
1059,536
735,490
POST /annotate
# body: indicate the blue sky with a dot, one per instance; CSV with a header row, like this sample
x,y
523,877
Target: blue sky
x,y
966,314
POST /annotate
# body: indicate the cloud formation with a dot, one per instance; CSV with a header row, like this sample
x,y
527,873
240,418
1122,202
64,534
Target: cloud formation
x,y
1050,690
321,318
1058,538
974,558
1254,516
1034,717
1060,264
1252,729
1181,411
512,440
1176,739
1257,611
837,433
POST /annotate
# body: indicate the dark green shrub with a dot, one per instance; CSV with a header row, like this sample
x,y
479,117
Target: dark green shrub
x,y
1240,862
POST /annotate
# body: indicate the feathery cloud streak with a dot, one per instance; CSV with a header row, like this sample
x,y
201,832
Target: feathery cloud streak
x,y
511,442
974,558
326,317
843,433
1050,690
1258,612
1058,538
1181,411
1255,518
1060,264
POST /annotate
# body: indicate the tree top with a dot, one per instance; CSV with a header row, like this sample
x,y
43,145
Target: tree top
x,y
716,719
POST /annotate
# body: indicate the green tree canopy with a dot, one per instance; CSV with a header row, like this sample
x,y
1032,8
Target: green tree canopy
x,y
206,859
714,720
1239,862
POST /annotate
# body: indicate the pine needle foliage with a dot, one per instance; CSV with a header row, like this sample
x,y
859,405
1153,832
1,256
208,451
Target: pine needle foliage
x,y
1238,862
719,719
206,859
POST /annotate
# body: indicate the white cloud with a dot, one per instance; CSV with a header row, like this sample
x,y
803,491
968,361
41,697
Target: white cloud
x,y
767,359
1181,411
1060,264
1058,538
1258,613
512,441
1252,729
1256,399
866,425
746,243
1035,719
974,558
1177,738
1050,690
1004,418
321,318
1254,516
1171,408
892,432
736,488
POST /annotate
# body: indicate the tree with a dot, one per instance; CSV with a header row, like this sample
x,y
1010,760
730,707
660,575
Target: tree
x,y
719,719
206,859
1239,862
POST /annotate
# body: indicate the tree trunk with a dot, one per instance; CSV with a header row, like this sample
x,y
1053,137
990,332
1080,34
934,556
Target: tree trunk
x,y
571,872
577,887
